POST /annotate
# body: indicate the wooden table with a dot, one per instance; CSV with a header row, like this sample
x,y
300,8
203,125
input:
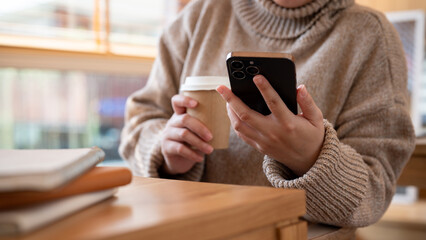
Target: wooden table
x,y
415,171
167,209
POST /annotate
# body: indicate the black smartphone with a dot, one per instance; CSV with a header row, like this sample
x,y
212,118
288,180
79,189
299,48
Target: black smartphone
x,y
278,68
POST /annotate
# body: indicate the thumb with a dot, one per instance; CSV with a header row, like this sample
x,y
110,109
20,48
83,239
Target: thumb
x,y
309,108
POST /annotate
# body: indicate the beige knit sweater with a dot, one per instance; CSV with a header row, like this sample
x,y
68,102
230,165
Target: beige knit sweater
x,y
351,61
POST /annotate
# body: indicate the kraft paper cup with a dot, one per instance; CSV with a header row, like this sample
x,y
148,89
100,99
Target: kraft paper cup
x,y
211,108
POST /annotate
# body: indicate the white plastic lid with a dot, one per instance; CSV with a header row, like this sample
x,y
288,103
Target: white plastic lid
x,y
204,83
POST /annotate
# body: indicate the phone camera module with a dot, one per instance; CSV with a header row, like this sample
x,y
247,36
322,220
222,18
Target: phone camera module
x,y
238,75
253,70
237,65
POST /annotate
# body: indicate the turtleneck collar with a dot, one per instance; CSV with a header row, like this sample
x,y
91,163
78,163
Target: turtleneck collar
x,y
273,21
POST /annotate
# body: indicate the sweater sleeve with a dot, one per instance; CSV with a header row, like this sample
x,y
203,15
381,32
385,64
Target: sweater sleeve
x,y
148,110
353,180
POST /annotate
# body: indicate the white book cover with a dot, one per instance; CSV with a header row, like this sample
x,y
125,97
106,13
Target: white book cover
x,y
23,220
44,169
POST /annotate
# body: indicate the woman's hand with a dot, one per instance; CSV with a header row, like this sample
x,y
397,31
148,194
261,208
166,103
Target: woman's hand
x,y
184,140
294,140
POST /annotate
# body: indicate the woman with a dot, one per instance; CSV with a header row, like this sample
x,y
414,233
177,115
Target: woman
x,y
348,147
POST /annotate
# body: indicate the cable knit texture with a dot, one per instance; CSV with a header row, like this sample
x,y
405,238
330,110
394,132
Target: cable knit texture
x,y
351,61
330,166
271,20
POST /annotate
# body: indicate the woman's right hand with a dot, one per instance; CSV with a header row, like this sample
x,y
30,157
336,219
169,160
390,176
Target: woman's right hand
x,y
185,139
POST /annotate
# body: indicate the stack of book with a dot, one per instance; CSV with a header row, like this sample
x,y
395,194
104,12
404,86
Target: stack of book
x,y
38,187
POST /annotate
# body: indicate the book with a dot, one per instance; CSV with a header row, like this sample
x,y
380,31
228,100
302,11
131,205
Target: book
x,y
13,222
44,169
96,179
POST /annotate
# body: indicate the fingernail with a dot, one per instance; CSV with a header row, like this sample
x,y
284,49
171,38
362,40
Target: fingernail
x,y
257,79
219,89
192,103
209,149
303,91
208,136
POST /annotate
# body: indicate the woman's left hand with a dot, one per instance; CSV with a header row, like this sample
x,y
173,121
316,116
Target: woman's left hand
x,y
294,140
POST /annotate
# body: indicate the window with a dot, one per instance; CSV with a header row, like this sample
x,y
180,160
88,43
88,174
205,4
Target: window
x,y
63,109
67,67
410,27
129,27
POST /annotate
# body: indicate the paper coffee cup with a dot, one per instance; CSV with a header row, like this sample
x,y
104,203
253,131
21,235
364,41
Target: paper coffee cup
x,y
211,108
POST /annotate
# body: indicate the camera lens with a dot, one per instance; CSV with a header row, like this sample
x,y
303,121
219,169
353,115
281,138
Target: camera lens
x,y
237,65
252,70
238,75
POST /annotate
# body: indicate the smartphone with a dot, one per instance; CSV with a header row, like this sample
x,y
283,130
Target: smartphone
x,y
278,68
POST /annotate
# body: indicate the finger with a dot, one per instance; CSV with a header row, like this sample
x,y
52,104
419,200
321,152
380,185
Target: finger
x,y
180,103
180,149
193,124
177,165
307,105
249,141
243,112
271,97
242,129
244,137
185,135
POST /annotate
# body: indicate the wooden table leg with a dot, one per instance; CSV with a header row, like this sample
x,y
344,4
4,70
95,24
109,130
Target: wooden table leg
x,y
294,229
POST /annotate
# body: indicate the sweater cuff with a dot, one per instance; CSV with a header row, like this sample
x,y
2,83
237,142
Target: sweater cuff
x,y
278,169
151,159
335,184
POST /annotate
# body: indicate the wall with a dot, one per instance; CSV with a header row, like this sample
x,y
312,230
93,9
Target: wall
x,y
394,5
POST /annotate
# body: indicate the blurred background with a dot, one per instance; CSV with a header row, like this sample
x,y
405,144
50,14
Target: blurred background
x,y
67,67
